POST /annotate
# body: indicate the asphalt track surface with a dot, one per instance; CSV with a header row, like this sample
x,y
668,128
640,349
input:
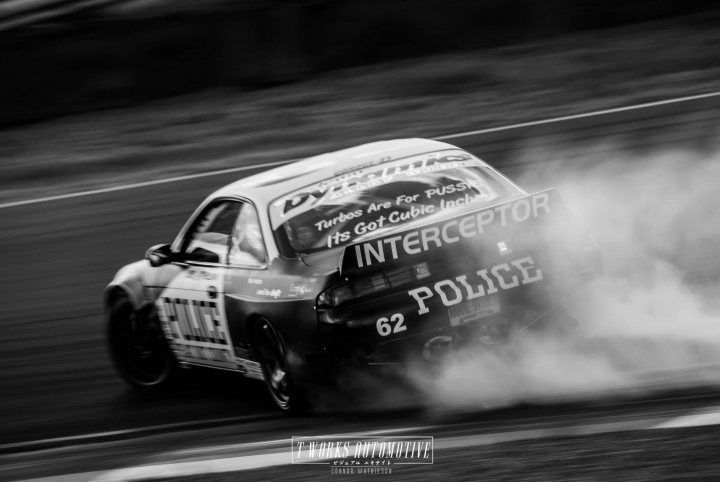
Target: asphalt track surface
x,y
56,380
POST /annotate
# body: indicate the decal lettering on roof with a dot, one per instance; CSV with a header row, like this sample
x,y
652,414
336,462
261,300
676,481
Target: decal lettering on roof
x,y
362,179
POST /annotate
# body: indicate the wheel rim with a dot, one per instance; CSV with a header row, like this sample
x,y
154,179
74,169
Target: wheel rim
x,y
274,364
140,347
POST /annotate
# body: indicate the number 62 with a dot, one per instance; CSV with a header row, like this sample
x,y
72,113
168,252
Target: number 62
x,y
385,326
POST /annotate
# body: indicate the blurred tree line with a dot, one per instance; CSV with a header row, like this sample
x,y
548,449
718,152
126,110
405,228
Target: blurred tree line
x,y
88,60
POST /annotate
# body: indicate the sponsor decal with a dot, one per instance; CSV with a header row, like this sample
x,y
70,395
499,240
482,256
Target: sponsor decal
x,y
454,230
405,208
478,284
503,248
422,271
202,353
360,180
193,320
362,455
192,316
199,273
340,218
302,288
249,368
474,310
368,226
272,293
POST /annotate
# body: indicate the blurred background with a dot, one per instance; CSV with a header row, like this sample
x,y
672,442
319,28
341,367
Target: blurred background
x,y
70,56
171,85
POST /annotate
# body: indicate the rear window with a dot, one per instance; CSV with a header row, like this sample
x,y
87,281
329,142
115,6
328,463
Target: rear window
x,y
371,200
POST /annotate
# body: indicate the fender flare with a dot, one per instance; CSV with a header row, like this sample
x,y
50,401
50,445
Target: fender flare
x,y
135,296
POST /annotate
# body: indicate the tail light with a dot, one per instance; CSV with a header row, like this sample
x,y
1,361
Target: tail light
x,y
368,285
353,290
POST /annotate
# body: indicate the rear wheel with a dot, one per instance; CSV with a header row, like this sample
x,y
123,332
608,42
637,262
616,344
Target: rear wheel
x,y
272,355
138,348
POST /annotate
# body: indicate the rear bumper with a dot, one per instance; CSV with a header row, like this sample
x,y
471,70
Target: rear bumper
x,y
428,342
458,308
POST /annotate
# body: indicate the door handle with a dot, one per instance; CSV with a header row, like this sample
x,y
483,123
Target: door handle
x,y
212,292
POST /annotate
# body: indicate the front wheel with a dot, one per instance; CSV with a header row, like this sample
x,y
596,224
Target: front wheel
x,y
138,348
273,359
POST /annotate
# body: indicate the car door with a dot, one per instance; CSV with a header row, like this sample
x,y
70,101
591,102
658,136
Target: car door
x,y
247,268
191,307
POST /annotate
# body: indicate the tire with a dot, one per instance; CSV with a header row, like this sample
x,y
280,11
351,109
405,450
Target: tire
x,y
138,349
272,356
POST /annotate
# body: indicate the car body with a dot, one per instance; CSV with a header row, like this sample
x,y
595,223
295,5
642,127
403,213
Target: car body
x,y
380,255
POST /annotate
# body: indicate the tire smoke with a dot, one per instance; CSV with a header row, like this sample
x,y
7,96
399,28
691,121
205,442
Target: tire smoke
x,y
651,323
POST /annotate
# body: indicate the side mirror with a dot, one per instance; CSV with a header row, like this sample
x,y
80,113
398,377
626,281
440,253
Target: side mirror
x,y
159,255
204,255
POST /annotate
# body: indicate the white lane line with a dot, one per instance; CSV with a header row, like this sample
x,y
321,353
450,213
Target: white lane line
x,y
705,417
145,183
532,434
135,431
439,138
171,427
79,477
198,467
596,113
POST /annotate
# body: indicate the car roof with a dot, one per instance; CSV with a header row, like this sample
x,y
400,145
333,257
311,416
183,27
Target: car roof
x,y
269,185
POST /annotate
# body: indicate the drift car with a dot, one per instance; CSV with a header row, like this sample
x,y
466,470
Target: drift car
x,y
381,255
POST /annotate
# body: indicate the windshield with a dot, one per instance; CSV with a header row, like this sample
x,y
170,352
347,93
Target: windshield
x,y
363,202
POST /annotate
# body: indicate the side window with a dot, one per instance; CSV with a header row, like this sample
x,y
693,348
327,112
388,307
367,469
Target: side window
x,y
246,245
208,238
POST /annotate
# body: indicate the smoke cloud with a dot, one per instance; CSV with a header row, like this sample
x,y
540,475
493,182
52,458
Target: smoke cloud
x,y
651,323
